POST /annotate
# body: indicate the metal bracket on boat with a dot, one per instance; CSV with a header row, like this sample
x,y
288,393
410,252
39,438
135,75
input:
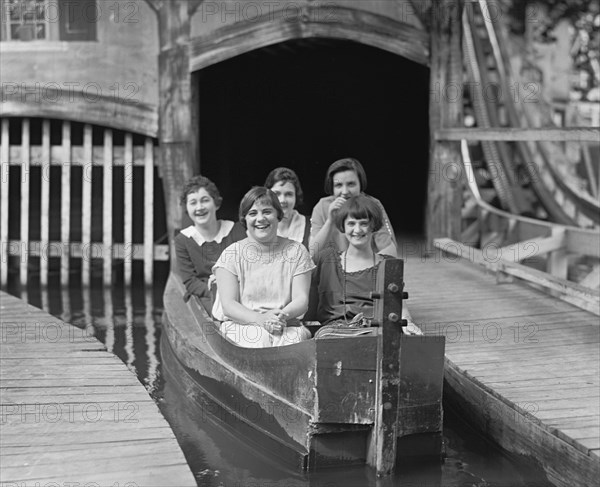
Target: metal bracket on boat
x,y
394,318
393,288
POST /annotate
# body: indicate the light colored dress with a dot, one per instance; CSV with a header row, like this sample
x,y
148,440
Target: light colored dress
x,y
265,280
299,229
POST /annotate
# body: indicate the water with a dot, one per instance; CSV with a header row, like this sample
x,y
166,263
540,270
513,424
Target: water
x,y
128,322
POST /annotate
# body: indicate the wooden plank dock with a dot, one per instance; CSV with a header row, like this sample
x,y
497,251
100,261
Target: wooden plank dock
x,y
73,412
521,365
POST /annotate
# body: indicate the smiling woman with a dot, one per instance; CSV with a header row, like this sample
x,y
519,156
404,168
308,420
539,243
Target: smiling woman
x,y
263,280
286,185
198,246
344,279
345,178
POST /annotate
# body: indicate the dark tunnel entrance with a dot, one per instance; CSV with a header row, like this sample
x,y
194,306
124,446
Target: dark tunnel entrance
x,y
304,104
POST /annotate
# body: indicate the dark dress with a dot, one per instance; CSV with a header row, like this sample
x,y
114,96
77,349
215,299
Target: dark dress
x,y
327,289
195,262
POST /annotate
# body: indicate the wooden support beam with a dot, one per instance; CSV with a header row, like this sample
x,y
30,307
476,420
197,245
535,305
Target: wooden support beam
x,y
45,200
177,151
326,20
25,185
148,214
557,264
382,448
55,248
86,204
128,209
4,175
65,200
578,134
79,155
445,185
589,168
107,207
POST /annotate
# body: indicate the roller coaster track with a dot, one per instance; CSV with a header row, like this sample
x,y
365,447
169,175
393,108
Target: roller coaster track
x,y
564,259
528,178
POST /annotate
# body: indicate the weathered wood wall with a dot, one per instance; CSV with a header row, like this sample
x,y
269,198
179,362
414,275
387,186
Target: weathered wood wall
x,y
223,29
138,75
111,82
217,14
445,188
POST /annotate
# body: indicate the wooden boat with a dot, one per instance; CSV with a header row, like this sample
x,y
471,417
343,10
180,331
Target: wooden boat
x,y
332,401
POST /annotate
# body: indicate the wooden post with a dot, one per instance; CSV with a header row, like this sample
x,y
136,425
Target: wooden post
x,y
129,345
176,133
24,230
4,175
557,263
107,208
445,167
65,204
148,215
109,337
382,447
587,159
45,206
86,206
128,246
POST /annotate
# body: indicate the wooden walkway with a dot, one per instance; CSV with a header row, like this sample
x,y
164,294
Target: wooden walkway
x,y
521,365
72,412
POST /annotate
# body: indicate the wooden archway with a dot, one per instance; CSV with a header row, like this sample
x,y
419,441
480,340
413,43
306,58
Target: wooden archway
x,y
326,21
84,106
439,48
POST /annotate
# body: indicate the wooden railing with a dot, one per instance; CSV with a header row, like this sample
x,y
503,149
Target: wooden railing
x,y
563,260
94,161
582,296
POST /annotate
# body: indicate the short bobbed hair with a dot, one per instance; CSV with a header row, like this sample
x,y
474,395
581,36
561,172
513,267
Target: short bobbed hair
x,y
360,207
194,184
285,175
259,194
346,164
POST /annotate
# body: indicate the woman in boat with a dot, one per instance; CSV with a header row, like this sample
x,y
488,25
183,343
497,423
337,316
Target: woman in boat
x,y
264,279
285,184
345,178
344,279
198,246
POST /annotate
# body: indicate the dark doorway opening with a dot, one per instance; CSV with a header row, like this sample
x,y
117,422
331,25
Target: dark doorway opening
x,y
305,103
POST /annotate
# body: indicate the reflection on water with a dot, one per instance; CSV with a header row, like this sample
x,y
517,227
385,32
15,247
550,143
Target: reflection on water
x,y
127,321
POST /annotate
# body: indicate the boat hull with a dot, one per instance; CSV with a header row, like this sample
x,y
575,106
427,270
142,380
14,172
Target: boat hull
x,y
313,403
